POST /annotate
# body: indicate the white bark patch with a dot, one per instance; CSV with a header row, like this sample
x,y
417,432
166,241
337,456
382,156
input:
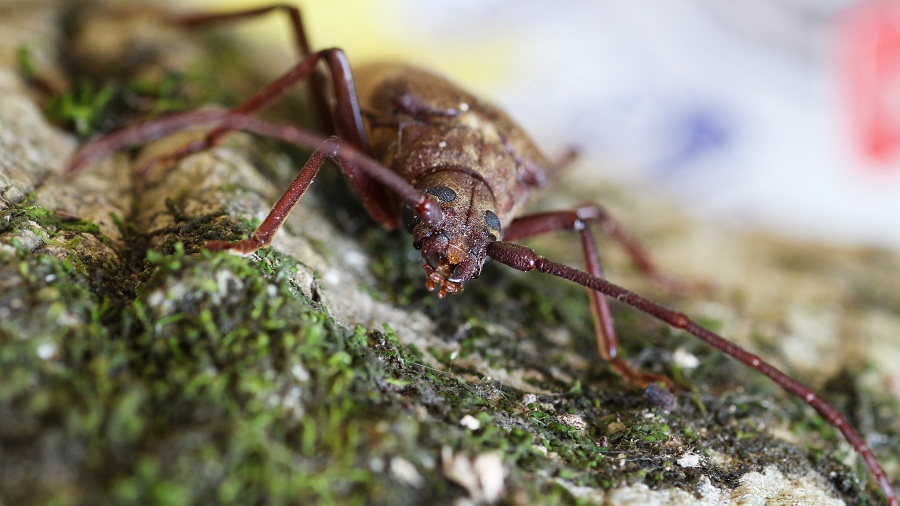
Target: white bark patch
x,y
404,471
689,460
470,422
483,476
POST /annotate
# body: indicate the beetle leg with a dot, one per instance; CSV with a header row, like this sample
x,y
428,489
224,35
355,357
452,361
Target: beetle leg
x,y
577,220
347,116
562,162
201,19
317,81
346,121
355,164
196,19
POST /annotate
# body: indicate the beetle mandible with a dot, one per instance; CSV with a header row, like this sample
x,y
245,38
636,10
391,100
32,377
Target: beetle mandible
x,y
454,171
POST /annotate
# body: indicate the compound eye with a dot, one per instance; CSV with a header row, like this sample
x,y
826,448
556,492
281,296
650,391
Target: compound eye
x,y
410,218
492,221
443,193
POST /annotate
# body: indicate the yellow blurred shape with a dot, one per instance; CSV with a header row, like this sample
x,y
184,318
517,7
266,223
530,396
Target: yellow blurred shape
x,y
375,31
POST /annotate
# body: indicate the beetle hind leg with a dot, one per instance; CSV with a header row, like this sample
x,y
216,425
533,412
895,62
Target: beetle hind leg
x,y
344,120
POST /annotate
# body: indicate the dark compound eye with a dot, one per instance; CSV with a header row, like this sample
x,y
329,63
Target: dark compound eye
x,y
492,220
410,218
443,193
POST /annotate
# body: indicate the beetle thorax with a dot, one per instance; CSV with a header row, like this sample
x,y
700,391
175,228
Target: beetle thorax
x,y
455,249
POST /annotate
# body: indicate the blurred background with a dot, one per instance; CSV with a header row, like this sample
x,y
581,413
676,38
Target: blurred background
x,y
775,114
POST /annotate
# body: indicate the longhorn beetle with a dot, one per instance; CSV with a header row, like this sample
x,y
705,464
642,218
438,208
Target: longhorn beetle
x,y
454,171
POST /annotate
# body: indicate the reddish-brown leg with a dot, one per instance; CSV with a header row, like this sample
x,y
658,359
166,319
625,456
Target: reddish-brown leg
x,y
346,121
202,19
347,115
578,220
317,81
524,259
535,224
351,160
196,19
560,163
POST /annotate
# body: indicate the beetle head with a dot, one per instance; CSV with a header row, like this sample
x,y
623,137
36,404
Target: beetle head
x,y
455,248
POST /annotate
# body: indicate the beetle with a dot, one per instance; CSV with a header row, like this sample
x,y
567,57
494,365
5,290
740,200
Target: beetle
x,y
455,171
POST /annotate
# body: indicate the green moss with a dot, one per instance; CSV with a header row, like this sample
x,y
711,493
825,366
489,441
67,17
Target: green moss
x,y
50,223
25,62
89,108
84,110
216,377
194,370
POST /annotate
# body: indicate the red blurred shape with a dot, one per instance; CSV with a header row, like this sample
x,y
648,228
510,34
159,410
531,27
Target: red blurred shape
x,y
871,42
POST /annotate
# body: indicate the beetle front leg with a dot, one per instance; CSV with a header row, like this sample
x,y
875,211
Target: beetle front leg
x,y
578,220
350,162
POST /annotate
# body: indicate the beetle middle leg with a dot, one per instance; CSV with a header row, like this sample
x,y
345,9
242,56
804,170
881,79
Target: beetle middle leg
x,y
348,121
579,220
355,164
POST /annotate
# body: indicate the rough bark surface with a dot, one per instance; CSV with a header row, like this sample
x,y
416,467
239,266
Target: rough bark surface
x,y
136,367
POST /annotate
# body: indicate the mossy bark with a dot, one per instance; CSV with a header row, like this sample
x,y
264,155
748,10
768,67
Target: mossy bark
x,y
135,367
